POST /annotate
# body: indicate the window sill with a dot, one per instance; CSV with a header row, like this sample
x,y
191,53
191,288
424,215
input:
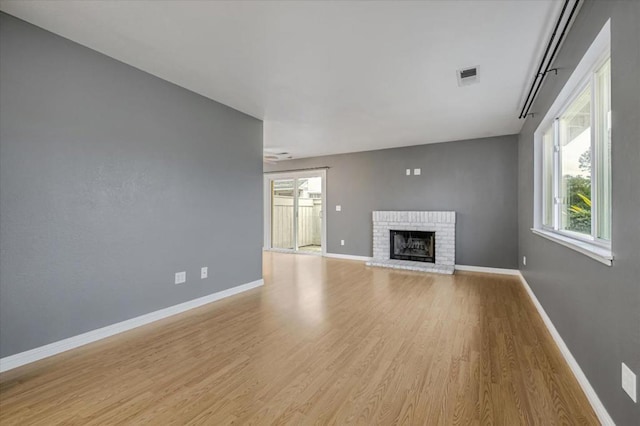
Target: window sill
x,y
601,254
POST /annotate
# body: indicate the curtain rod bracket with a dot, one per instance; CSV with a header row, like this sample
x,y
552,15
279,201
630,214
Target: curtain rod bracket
x,y
555,70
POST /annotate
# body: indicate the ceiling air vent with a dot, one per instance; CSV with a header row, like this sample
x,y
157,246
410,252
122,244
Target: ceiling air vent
x,y
467,76
273,155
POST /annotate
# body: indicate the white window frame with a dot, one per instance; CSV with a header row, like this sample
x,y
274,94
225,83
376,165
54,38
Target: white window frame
x,y
584,74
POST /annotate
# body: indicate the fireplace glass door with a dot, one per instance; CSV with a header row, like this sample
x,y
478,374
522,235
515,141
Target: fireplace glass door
x,y
417,246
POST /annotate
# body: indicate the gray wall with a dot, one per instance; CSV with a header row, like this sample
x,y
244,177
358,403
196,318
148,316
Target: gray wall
x,y
476,178
112,180
595,308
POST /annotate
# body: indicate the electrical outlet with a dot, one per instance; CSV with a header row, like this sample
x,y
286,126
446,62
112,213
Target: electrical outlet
x,y
341,242
629,382
181,277
417,172
204,272
408,172
524,260
338,208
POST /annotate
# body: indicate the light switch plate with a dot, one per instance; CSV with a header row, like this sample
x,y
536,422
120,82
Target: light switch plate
x,y
338,208
341,242
181,277
408,172
204,272
629,382
417,172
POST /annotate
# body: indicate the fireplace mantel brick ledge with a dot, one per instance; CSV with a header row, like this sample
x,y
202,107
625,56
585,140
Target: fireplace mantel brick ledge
x,y
443,223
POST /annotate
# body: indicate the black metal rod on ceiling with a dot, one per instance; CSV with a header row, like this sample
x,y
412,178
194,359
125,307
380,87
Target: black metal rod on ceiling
x,y
544,58
553,54
540,74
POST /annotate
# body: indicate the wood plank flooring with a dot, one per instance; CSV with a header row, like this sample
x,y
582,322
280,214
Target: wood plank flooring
x,y
325,341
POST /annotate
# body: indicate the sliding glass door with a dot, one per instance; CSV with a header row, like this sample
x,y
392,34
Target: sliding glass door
x,y
282,214
294,213
309,214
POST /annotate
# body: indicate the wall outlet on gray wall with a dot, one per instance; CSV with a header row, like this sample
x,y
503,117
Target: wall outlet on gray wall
x,y
204,272
338,208
524,260
341,242
181,277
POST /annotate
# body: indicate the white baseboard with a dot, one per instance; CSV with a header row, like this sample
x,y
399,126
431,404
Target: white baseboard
x,y
597,405
487,269
22,358
348,257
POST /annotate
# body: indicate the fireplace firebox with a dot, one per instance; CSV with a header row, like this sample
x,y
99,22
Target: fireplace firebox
x,y
417,246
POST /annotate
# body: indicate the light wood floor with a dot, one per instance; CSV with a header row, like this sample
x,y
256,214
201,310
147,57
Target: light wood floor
x,y
325,341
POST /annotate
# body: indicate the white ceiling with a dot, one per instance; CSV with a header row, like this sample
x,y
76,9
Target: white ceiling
x,y
327,77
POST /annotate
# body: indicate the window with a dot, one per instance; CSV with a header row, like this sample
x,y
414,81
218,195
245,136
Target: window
x,y
573,159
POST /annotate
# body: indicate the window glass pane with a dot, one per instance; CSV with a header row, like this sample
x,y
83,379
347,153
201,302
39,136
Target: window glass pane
x,y
310,214
547,177
575,164
282,202
603,150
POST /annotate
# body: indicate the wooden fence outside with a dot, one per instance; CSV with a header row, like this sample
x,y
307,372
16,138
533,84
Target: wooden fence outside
x,y
309,222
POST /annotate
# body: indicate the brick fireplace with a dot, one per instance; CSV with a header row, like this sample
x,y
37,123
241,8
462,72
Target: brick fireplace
x,y
389,224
